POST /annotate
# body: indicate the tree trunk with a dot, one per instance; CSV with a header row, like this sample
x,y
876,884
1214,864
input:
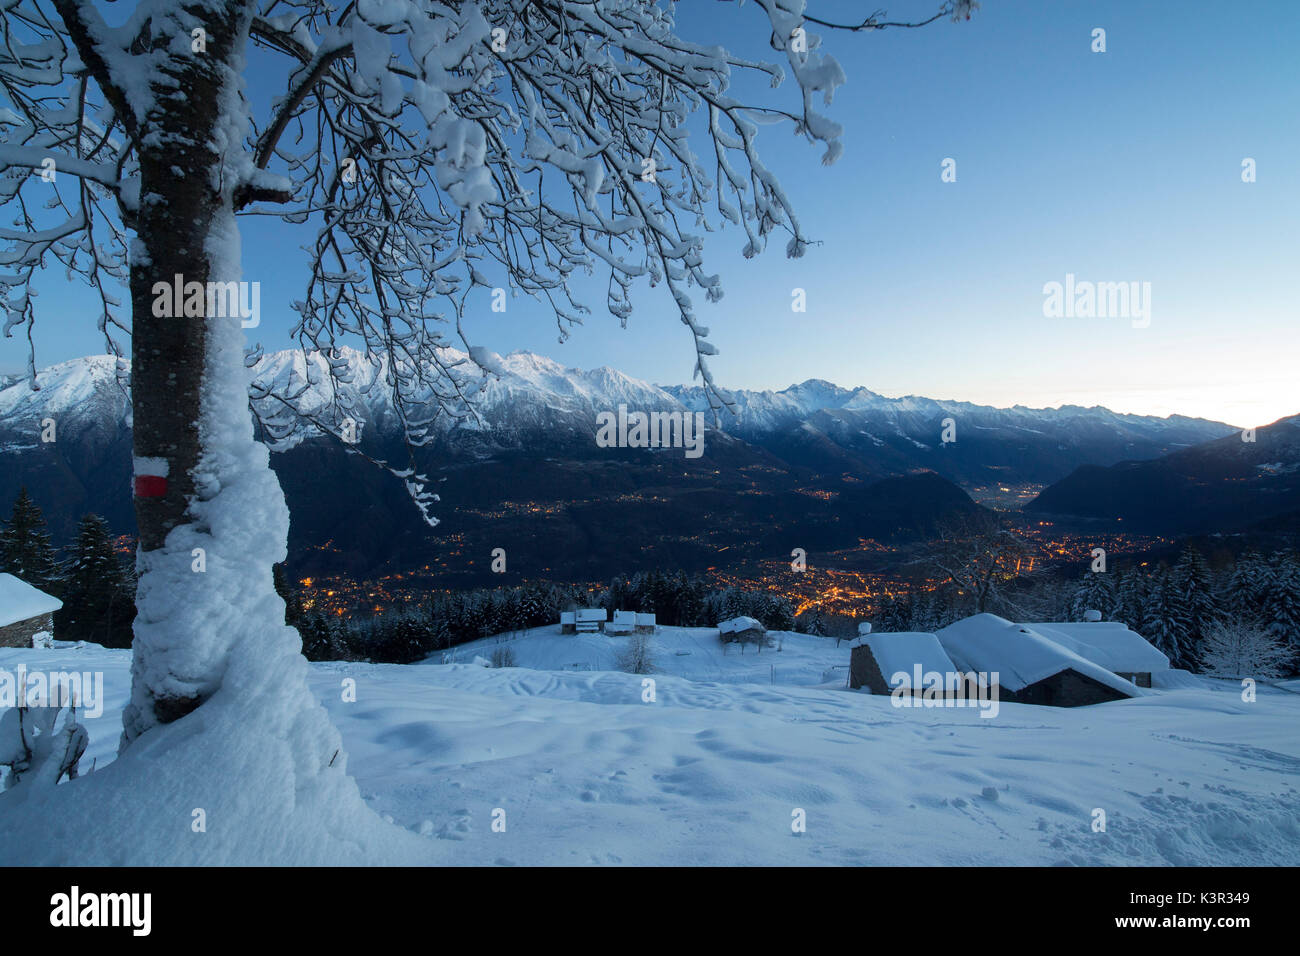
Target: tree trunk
x,y
182,228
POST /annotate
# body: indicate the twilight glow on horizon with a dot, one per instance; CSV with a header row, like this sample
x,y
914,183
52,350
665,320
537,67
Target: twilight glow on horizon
x,y
952,207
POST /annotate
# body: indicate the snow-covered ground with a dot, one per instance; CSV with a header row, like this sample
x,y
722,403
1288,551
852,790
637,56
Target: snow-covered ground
x,y
691,652
714,769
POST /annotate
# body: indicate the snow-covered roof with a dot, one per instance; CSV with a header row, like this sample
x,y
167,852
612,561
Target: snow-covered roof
x,y
625,617
567,617
644,620
1019,654
591,614
1108,643
903,650
19,601
739,624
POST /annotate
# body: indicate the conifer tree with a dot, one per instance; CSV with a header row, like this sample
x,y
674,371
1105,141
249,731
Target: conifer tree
x,y
815,621
1094,592
25,548
98,592
1130,595
1282,601
1164,620
1246,588
1199,605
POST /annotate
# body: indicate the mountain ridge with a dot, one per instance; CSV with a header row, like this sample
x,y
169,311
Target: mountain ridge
x,y
811,463
606,383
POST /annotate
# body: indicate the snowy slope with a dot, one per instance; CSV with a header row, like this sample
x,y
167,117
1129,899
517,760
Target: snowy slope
x,y
84,396
694,653
711,771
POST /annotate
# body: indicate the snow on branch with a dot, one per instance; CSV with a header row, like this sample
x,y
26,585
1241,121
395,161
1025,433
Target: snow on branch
x,y
441,149
66,170
436,150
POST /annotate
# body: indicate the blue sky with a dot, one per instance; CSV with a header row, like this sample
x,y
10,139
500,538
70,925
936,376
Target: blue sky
x,y
1115,166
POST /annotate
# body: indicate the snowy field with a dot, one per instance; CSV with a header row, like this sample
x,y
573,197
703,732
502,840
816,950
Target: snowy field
x,y
712,771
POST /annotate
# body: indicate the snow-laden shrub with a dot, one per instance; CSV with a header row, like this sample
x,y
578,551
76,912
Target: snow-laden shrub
x,y
503,657
637,658
35,746
1232,649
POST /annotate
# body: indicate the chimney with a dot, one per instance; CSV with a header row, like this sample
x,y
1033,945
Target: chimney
x,y
1092,616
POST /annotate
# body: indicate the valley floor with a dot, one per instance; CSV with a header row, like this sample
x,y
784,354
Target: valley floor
x,y
715,768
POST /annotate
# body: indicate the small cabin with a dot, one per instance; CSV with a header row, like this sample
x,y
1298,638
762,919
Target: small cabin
x,y
744,629
884,663
1032,668
25,611
624,623
1055,664
631,622
585,620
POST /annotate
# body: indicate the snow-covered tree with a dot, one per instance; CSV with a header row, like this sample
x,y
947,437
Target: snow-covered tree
x,y
637,657
1281,610
1190,577
98,595
1094,592
1244,591
1164,620
813,621
1233,649
25,548
431,151
1130,598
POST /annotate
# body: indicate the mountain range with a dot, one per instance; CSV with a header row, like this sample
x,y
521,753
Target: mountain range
x,y
1245,482
813,465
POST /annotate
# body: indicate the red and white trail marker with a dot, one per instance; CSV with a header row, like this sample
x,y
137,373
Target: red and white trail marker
x,y
150,477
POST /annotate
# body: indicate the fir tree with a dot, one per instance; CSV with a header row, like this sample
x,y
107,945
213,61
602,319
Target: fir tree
x,y
1164,621
25,548
814,621
779,614
322,638
98,593
440,633
1130,595
533,610
1094,592
1200,608
1246,589
895,614
1281,617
